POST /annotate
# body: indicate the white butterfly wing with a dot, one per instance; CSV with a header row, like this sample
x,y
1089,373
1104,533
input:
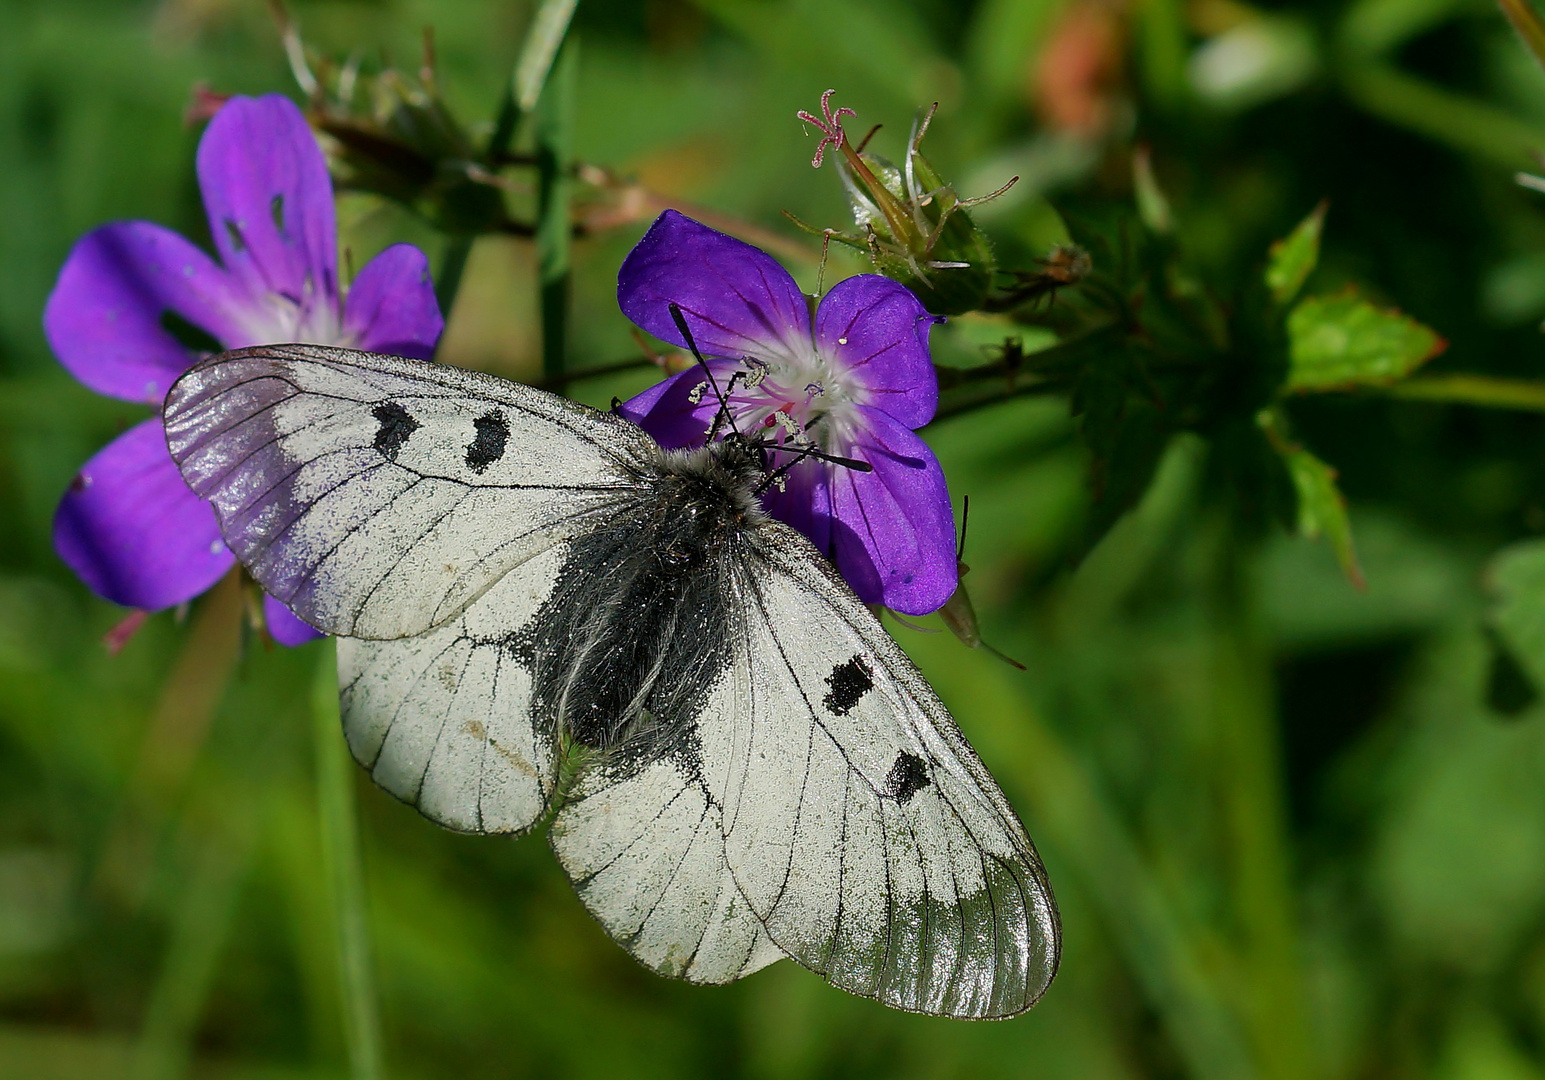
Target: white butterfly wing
x,y
444,721
859,824
378,496
644,847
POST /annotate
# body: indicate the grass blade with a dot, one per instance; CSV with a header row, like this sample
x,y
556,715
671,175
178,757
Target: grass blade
x,y
555,154
345,872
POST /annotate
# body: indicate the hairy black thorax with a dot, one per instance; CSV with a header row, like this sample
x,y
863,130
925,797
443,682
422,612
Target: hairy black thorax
x,y
637,628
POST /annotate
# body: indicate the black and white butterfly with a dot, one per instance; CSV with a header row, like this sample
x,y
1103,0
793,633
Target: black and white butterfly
x,y
518,581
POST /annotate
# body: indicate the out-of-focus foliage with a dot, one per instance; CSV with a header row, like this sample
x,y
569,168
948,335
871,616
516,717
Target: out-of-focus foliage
x,y
1297,829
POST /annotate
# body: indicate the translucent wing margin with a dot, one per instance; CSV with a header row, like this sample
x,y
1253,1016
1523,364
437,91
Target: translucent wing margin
x,y
859,825
378,496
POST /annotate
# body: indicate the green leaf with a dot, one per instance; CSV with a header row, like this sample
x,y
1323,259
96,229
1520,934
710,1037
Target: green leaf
x,y
1516,579
1152,206
1292,258
1340,342
1322,509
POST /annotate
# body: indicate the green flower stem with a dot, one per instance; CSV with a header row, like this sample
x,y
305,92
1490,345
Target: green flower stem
x,y
1526,395
1254,798
555,156
1046,371
345,872
1462,123
453,262
521,93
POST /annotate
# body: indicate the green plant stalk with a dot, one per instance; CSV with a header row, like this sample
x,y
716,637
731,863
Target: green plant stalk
x,y
453,263
521,92
1526,395
1456,121
555,156
345,872
1249,771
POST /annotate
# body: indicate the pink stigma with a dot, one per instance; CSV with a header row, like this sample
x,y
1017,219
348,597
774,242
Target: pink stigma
x,y
829,124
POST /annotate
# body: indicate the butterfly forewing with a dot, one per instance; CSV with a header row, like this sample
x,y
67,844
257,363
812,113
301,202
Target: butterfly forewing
x,y
377,496
859,824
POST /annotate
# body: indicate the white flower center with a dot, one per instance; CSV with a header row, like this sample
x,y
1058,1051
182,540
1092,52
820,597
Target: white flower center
x,y
797,396
280,319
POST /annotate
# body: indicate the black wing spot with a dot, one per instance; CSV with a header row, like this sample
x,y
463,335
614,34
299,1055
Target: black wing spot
x,y
396,426
849,682
907,777
493,434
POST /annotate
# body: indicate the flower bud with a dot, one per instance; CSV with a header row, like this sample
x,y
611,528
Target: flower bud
x,y
392,135
912,224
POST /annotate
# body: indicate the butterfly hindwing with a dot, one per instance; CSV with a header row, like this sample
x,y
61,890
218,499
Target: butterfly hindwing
x,y
445,720
378,496
645,850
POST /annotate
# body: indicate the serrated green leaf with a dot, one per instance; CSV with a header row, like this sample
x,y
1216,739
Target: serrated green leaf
x,y
1322,509
1293,258
1340,342
1516,579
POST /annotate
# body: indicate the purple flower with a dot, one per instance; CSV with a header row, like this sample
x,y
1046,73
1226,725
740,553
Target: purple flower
x,y
128,525
855,384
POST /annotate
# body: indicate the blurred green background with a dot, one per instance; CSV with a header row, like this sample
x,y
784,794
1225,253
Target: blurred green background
x,y
1296,830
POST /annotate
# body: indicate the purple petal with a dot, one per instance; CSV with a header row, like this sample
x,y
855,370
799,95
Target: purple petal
x,y
893,531
133,531
878,329
737,300
284,626
104,317
805,504
270,202
666,409
391,307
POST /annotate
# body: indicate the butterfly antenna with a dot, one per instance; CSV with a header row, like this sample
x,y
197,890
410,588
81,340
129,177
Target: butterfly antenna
x,y
811,452
724,402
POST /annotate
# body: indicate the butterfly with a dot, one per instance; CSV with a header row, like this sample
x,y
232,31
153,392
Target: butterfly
x,y
540,611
